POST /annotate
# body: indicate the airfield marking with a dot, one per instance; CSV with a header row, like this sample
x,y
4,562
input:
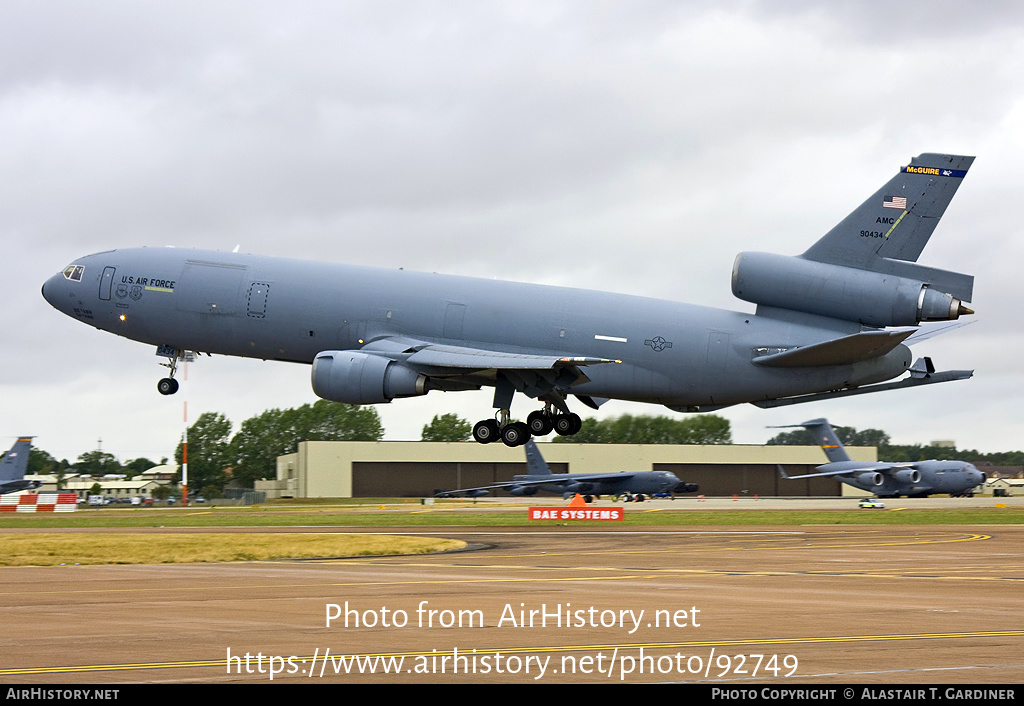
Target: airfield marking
x,y
689,549
634,574
312,659
656,571
332,584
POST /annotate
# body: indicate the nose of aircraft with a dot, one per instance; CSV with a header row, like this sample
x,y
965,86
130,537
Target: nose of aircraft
x,y
49,289
55,291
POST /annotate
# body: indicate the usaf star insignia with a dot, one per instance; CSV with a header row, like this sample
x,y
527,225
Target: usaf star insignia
x,y
658,343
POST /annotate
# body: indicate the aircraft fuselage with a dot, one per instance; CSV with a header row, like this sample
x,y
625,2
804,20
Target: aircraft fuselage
x,y
644,482
681,355
922,479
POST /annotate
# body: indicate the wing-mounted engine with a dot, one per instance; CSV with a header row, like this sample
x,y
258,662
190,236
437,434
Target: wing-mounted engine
x,y
364,378
892,293
908,475
522,490
871,478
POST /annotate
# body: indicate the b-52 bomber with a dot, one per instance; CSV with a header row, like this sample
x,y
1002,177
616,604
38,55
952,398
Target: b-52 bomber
x,y
629,486
913,479
831,322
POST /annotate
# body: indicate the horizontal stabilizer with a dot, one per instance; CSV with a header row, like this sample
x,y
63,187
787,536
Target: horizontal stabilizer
x,y
945,376
840,351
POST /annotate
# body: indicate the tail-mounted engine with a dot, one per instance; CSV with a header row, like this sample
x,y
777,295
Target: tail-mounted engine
x,y
895,293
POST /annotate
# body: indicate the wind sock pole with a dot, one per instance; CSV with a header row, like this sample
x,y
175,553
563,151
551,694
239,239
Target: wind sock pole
x,y
184,446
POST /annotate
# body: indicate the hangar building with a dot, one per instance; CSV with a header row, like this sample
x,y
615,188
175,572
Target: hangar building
x,y
353,469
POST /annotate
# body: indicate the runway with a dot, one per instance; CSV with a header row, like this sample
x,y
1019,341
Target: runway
x,y
767,605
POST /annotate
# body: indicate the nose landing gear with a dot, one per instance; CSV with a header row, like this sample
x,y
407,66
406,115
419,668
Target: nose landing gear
x,y
168,385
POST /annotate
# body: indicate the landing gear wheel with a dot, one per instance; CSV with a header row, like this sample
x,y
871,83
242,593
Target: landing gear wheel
x,y
515,434
539,423
486,431
167,386
568,424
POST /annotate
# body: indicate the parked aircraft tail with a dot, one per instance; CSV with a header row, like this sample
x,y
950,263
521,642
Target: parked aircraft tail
x,y
14,465
535,463
863,270
825,437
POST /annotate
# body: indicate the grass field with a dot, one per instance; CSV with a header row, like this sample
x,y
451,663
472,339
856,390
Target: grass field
x,y
397,514
50,549
65,545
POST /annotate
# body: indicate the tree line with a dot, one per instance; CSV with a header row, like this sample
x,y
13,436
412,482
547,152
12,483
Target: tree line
x,y
216,456
900,453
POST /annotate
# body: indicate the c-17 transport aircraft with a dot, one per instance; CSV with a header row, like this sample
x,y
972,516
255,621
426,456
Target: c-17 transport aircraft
x,y
629,486
13,467
914,479
821,328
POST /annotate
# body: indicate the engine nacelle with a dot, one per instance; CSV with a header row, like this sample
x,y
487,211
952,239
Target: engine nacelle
x,y
363,378
521,490
910,475
871,478
848,293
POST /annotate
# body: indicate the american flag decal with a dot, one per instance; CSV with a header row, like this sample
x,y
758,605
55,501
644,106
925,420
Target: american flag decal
x,y
899,202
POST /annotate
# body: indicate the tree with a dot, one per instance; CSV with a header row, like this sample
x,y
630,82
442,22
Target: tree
x,y
208,453
849,436
261,439
41,463
137,466
447,427
97,463
628,429
161,492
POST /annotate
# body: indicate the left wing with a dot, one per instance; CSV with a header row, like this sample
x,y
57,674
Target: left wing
x,y
535,375
395,366
462,359
875,468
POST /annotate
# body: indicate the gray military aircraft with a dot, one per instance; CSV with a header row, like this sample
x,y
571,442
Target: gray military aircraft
x,y
916,479
633,486
13,466
373,335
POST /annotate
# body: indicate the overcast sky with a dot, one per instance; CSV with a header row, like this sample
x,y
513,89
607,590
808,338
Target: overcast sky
x,y
628,146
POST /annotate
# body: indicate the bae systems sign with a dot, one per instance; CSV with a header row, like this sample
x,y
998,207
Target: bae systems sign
x,y
575,513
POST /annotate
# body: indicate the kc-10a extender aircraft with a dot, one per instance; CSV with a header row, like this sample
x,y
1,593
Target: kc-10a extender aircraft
x,y
821,327
914,479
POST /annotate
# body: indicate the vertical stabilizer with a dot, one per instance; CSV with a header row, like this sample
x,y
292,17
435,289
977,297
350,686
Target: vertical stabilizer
x,y
15,461
535,463
897,221
827,439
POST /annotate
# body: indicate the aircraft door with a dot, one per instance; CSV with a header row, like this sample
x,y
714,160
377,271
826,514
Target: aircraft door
x,y
256,307
454,315
719,350
106,280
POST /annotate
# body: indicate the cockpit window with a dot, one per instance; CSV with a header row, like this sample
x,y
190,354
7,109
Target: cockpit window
x,y
74,273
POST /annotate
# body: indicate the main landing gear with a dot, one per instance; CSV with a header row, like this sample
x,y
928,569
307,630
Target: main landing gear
x,y
539,423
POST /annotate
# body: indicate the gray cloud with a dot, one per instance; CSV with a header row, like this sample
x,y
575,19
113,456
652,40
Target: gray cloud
x,y
627,146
